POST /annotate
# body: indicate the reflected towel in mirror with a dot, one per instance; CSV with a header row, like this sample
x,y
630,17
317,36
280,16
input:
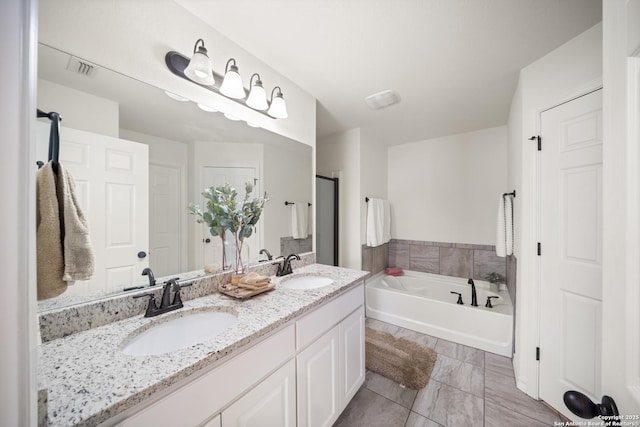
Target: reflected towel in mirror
x,y
300,220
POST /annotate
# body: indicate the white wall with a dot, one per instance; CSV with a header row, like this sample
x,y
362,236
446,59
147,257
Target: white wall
x,y
132,37
339,156
79,110
447,189
621,212
373,175
569,71
286,178
17,187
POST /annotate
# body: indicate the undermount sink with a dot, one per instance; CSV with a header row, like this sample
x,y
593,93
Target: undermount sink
x,y
305,282
180,332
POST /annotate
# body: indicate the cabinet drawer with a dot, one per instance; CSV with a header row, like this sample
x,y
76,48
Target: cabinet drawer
x,y
316,323
208,394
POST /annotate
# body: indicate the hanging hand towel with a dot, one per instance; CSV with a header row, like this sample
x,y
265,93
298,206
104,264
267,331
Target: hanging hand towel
x,y
49,259
78,254
378,222
504,238
300,220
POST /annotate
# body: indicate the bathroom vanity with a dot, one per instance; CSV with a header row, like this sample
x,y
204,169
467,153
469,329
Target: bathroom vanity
x,y
292,357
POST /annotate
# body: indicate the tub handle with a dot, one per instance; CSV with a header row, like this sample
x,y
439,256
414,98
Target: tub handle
x,y
488,304
459,297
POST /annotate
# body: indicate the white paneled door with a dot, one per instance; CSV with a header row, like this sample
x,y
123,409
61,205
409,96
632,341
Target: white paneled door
x,y
571,250
112,180
166,218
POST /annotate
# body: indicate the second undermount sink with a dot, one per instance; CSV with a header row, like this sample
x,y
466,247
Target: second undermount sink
x,y
305,282
179,332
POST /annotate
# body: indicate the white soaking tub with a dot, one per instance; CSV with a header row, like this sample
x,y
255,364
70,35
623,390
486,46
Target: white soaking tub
x,y
423,302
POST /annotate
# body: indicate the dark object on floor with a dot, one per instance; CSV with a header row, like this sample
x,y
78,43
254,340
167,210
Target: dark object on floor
x,y
399,359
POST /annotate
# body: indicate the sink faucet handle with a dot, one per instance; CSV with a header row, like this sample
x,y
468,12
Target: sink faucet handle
x,y
459,297
152,307
177,300
488,304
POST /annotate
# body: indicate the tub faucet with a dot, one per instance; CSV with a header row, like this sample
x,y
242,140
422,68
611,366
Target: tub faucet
x,y
474,296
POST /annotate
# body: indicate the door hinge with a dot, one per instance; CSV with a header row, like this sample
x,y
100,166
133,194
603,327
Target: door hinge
x,y
539,139
539,249
537,353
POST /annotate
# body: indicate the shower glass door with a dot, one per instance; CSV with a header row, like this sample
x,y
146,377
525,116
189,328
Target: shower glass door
x,y
327,220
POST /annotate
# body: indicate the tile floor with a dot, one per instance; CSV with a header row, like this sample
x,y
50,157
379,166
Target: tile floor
x,y
468,387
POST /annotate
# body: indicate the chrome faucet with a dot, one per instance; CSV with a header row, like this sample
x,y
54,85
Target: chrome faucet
x,y
285,267
166,304
474,296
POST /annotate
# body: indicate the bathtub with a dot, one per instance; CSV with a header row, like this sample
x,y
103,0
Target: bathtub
x,y
423,302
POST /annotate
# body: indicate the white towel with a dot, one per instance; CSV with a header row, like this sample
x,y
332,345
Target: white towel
x,y
300,220
78,254
378,222
504,238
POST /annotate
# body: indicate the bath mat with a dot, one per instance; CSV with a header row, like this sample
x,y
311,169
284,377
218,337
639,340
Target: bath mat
x,y
399,359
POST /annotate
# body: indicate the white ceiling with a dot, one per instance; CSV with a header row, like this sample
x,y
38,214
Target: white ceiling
x,y
454,63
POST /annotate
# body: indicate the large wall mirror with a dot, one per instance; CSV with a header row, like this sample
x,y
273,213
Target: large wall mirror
x,y
140,155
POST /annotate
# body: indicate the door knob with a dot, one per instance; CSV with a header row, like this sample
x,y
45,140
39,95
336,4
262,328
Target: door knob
x,y
582,406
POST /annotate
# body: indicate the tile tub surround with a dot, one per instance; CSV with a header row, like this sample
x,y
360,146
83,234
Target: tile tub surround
x,y
289,245
449,259
61,322
374,259
90,380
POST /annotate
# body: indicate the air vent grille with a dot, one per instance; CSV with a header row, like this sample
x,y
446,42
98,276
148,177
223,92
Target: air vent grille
x,y
382,99
80,66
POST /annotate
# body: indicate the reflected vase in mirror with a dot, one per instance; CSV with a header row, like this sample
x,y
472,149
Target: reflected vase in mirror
x,y
226,214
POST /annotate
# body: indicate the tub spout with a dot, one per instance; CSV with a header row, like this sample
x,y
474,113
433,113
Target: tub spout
x,y
474,296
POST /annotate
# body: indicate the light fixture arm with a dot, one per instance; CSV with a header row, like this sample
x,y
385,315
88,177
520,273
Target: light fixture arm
x,y
272,92
195,47
226,68
251,80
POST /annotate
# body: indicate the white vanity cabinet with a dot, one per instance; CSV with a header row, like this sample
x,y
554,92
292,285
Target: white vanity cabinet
x,y
304,375
331,369
271,403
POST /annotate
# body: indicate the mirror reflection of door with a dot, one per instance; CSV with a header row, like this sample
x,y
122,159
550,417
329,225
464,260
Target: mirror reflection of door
x,y
111,177
237,177
326,220
165,220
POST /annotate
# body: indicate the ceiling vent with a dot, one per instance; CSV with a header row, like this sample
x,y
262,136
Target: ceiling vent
x,y
382,99
80,66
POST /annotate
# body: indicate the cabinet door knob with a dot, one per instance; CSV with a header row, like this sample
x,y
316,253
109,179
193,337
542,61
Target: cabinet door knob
x,y
207,240
142,254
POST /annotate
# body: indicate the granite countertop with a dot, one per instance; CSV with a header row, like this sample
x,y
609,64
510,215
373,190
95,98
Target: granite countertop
x,y
89,379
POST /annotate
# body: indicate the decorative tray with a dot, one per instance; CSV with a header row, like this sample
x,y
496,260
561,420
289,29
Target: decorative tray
x,y
243,293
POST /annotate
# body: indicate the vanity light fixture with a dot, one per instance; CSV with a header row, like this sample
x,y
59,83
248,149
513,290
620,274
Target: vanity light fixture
x,y
232,83
257,96
278,108
206,108
199,69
